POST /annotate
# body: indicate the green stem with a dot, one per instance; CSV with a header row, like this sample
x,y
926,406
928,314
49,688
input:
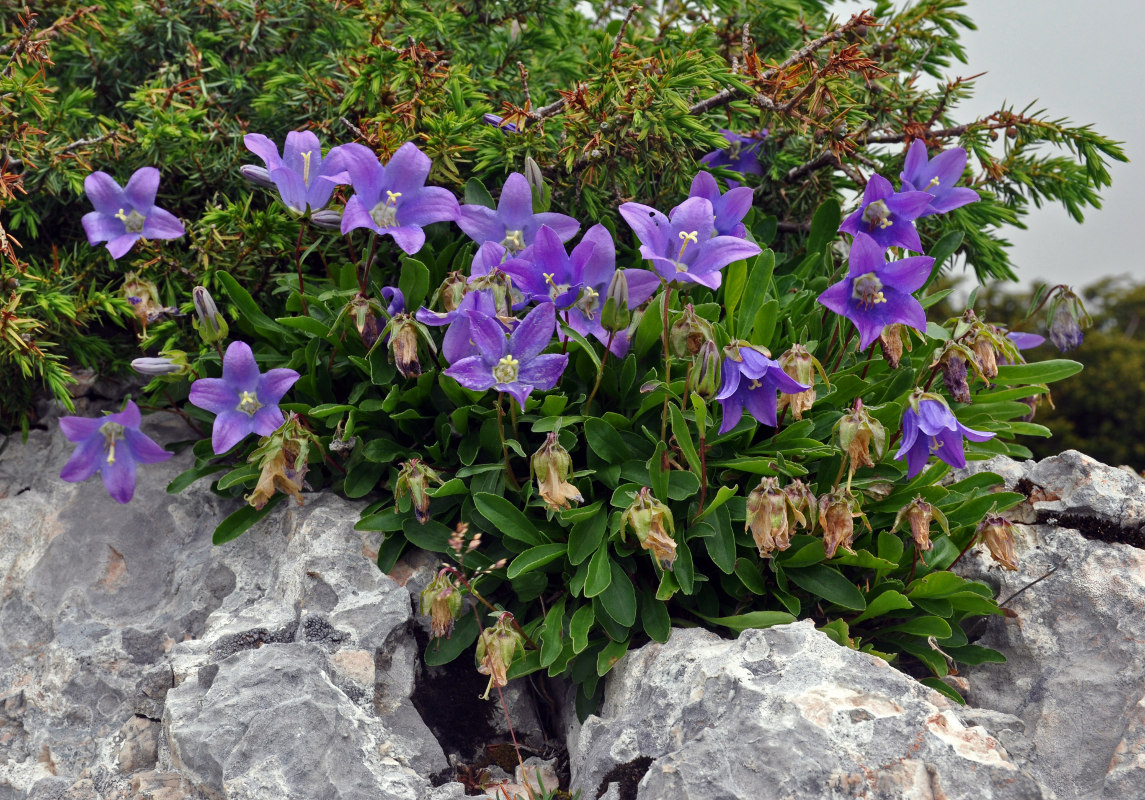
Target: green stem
x,y
599,373
667,365
298,267
364,283
504,447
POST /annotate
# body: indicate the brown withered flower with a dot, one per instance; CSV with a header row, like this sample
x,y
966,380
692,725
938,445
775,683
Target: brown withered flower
x,y
837,513
918,514
803,500
413,482
653,525
282,458
997,533
799,364
892,343
552,467
770,517
858,431
403,334
441,600
496,648
688,333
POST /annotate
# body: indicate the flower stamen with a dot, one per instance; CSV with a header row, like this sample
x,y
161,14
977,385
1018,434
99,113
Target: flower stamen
x,y
385,215
514,241
111,432
507,370
306,168
248,403
868,290
686,238
933,182
133,222
877,213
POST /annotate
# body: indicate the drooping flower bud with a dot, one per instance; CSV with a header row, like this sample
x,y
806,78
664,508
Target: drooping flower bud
x,y
534,177
653,525
552,467
452,291
769,517
688,333
892,342
257,176
282,458
1067,315
954,376
799,364
143,296
704,371
803,501
328,219
997,533
837,512
918,514
496,648
499,283
168,364
403,334
986,355
413,482
210,324
615,315
858,430
441,601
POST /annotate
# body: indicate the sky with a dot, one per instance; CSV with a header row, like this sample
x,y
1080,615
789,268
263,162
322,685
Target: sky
x,y
1080,61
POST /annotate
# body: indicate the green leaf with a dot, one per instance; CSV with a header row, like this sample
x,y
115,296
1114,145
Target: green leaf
x,y
535,558
249,310
752,619
619,597
586,537
684,437
607,658
442,651
1039,372
582,343
239,521
943,688
305,324
599,573
829,584
936,585
414,282
240,474
824,225
723,494
734,281
361,478
944,248
654,617
477,195
884,603
388,520
185,479
922,626
508,519
603,440
756,292
580,626
553,634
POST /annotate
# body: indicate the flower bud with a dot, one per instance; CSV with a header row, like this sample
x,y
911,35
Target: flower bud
x,y
858,430
1066,320
452,291
403,345
499,284
891,342
997,533
688,333
800,365
533,176
704,371
653,525
496,648
986,356
769,517
257,176
441,601
327,218
954,376
552,466
837,512
615,315
413,482
169,364
210,324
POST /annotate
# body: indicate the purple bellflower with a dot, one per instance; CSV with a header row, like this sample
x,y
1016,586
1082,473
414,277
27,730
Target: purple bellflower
x,y
514,365
125,215
888,216
741,155
547,274
244,400
936,177
928,426
111,446
730,208
684,248
1025,341
458,342
302,176
499,122
876,294
393,198
513,225
750,380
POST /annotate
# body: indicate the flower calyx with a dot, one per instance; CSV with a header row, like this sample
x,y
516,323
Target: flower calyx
x,y
497,646
441,600
917,515
282,459
552,467
414,483
801,366
652,522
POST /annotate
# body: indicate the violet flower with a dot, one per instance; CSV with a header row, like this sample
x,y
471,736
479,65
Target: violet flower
x,y
876,294
125,215
888,216
730,208
1025,341
458,342
111,445
928,426
515,365
244,400
684,248
513,224
393,198
751,379
936,177
499,123
549,275
302,176
741,155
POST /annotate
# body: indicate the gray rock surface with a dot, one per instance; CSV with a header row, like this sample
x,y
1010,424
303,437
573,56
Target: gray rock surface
x,y
137,660
1075,669
784,713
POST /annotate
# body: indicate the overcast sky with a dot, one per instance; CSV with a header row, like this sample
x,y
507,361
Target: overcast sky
x,y
1081,61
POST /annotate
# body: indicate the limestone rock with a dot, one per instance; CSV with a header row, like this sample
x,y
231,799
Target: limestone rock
x,y
784,713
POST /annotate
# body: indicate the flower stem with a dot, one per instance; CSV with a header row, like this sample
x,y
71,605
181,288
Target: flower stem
x,y
667,365
298,266
504,447
599,373
364,282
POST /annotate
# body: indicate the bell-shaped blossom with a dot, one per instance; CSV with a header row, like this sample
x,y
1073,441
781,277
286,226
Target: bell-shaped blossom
x,y
751,380
929,427
393,199
112,446
549,275
515,365
876,294
244,400
125,215
684,248
888,216
513,225
499,122
302,176
741,154
729,207
458,342
1025,341
937,177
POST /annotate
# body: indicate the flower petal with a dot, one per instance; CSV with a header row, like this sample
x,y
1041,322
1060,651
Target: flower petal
x,y
409,238
733,412
730,381
543,371
480,224
732,208
649,225
129,417
119,477
515,206
973,435
101,227
104,193
489,337
704,185
264,148
934,417
274,384
119,246
472,373
162,224
240,370
913,166
407,170
951,449
761,403
955,198
77,429
85,460
564,225
267,420
519,391
908,274
366,173
143,448
356,215
231,427
694,215
214,395
141,188
534,333
720,251
301,154
431,204
290,188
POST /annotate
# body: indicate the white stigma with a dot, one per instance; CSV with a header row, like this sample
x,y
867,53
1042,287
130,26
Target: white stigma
x,y
385,215
133,222
507,370
868,290
248,403
877,213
